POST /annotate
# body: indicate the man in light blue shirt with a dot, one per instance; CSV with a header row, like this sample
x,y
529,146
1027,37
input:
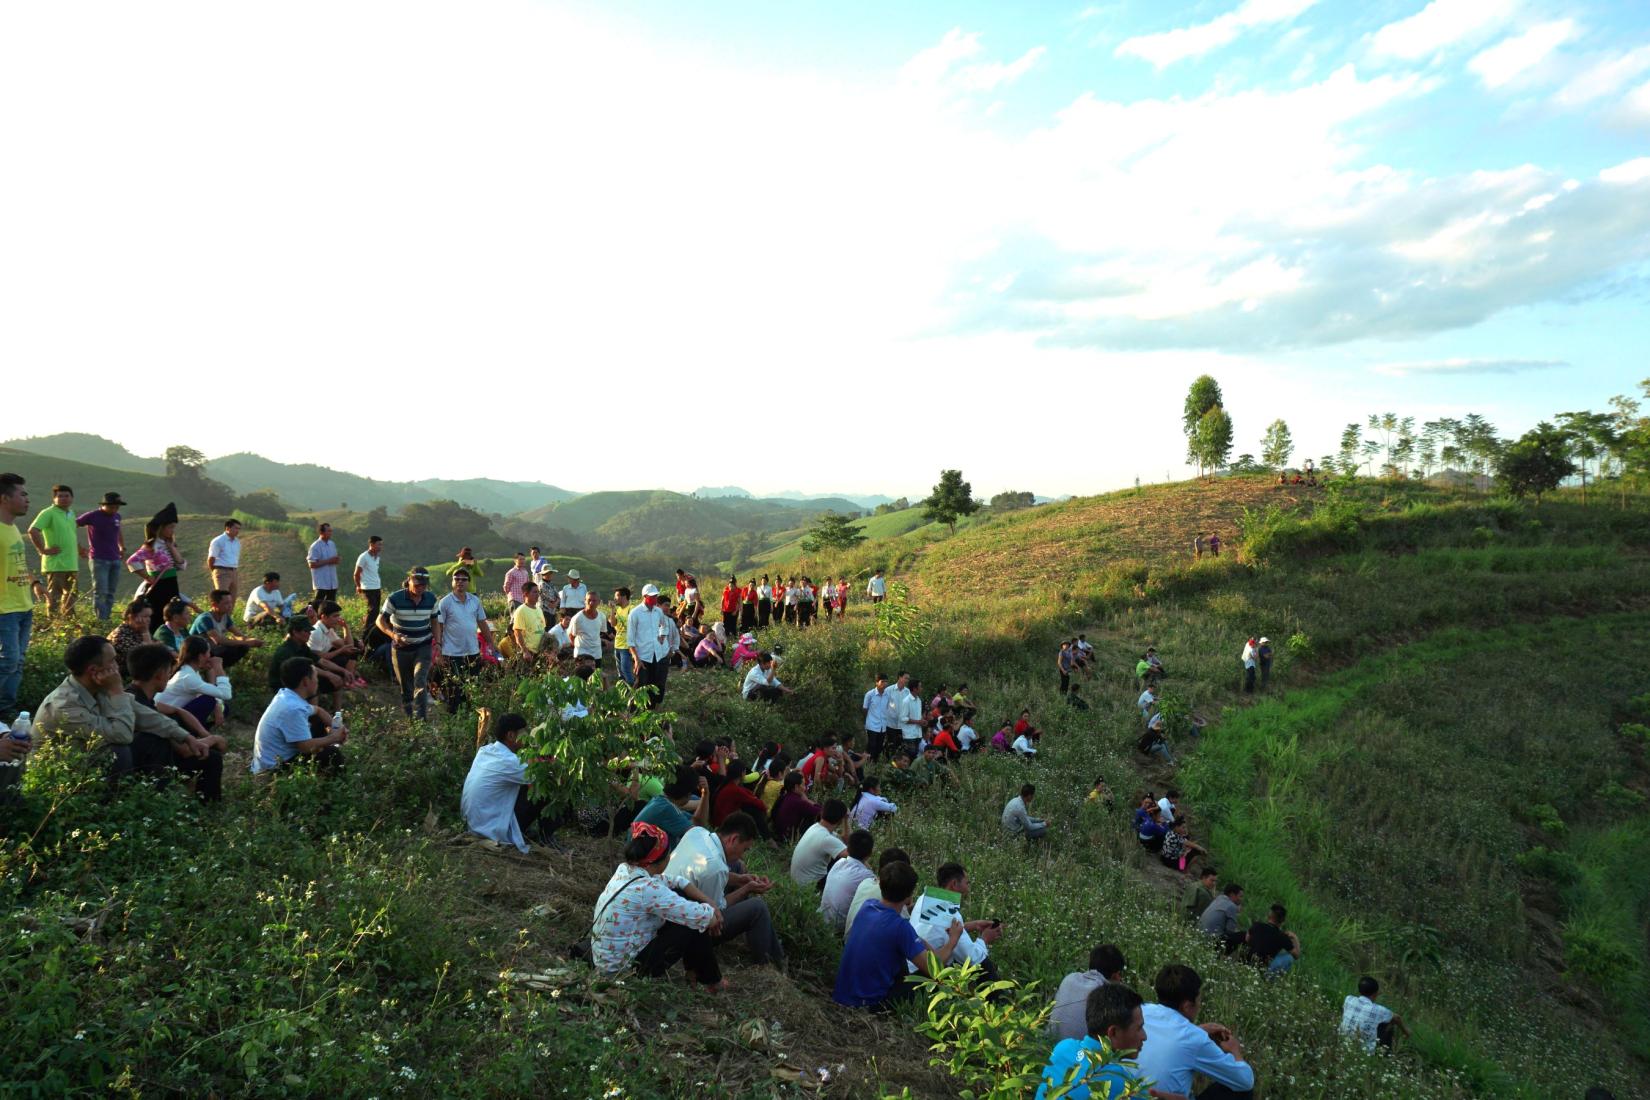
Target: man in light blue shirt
x,y
875,706
1177,1047
1091,1066
463,624
286,731
648,633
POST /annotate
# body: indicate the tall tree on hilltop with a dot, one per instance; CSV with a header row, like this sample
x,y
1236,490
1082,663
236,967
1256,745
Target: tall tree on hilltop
x,y
1203,395
1212,445
1589,435
951,499
184,462
1535,463
1011,501
1352,442
1277,445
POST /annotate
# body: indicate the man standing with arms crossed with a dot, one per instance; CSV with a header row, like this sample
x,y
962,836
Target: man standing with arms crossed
x,y
54,535
648,633
323,565
223,559
108,551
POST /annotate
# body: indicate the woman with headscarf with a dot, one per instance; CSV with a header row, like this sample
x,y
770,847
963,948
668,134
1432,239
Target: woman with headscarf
x,y
158,561
649,922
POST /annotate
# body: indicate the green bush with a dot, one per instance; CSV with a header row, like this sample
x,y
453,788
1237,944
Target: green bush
x,y
1543,862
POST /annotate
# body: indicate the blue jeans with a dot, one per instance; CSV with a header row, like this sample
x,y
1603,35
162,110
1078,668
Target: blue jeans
x,y
1281,962
105,579
627,667
14,642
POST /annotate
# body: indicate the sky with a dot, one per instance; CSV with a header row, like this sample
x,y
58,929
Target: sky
x,y
825,247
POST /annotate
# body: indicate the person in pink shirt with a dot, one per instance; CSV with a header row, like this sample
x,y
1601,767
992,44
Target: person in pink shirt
x,y
515,580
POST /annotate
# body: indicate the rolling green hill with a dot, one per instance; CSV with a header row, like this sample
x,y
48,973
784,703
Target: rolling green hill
x,y
145,494
888,526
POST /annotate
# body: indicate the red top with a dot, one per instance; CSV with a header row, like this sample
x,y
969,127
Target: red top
x,y
681,586
944,740
732,798
730,598
1021,726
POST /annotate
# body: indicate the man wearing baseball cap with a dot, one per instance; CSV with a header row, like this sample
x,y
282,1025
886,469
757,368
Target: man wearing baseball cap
x,y
574,591
648,636
409,620
108,551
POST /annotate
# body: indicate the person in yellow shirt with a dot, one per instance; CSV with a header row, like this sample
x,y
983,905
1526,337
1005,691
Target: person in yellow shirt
x,y
621,636
527,624
18,593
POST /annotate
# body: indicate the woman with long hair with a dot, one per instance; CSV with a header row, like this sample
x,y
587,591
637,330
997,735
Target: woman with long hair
x,y
199,684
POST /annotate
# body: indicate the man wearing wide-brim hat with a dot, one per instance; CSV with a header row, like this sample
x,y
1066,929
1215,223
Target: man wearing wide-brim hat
x,y
574,591
108,551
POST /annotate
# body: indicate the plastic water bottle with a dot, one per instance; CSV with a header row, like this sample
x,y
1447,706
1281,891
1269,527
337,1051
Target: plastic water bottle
x,y
23,728
337,720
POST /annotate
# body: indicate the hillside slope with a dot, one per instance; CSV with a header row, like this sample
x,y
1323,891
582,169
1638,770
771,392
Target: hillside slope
x,y
145,494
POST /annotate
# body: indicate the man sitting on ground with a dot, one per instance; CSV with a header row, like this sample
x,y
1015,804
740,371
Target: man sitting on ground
x,y
761,682
1112,1013
1369,1023
712,864
844,878
157,726
820,845
671,811
1271,945
330,645
495,801
293,728
882,942
1221,918
266,606
296,645
1067,1019
935,912
1199,895
1017,819
1177,1046
174,626
217,625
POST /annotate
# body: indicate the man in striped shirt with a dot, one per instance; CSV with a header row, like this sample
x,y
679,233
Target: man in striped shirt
x,y
409,620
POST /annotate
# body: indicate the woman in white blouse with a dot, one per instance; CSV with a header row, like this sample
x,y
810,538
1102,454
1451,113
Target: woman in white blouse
x,y
199,685
646,920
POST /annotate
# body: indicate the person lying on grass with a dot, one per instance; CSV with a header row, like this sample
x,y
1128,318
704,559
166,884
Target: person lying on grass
x,y
648,921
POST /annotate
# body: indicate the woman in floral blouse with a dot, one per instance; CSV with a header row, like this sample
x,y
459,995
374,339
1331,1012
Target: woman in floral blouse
x,y
649,921
132,632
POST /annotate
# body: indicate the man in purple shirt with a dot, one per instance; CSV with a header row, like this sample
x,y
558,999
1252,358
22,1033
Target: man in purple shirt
x,y
108,551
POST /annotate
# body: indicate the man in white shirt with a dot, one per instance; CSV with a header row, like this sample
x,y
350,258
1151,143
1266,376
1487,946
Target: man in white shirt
x,y
761,684
966,737
648,632
1147,700
587,628
223,558
819,845
877,587
266,605
495,802
292,727
875,706
1369,1023
323,565
558,638
911,719
535,562
463,622
333,649
573,594
1177,1047
935,913
711,862
368,586
844,878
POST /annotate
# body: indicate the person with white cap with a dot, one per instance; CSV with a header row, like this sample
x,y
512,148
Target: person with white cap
x,y
549,601
574,591
648,636
1263,653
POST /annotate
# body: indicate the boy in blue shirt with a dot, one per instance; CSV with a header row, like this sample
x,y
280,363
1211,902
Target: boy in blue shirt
x,y
880,943
1093,1067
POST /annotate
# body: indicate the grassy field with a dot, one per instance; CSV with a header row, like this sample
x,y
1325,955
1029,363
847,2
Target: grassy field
x,y
1436,784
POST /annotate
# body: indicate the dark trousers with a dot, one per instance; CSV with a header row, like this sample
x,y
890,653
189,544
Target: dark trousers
x,y
677,942
152,755
1249,678
1065,682
375,600
874,742
324,594
730,623
653,674
747,617
230,655
412,672
804,613
1265,673
1218,1091
455,675
160,593
764,608
764,694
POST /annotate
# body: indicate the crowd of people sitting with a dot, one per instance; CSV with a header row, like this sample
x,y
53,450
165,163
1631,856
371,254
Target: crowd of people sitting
x,y
156,699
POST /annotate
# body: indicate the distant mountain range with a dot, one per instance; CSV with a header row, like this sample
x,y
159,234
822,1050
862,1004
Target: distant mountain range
x,y
305,486
860,503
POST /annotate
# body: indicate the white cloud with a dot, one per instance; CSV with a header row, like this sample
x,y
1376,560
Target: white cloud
x,y
1636,106
1513,57
941,66
1633,171
1437,367
1167,47
1442,23
1603,77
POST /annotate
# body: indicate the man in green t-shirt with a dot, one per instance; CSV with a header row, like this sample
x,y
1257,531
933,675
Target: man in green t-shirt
x,y
17,595
56,536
